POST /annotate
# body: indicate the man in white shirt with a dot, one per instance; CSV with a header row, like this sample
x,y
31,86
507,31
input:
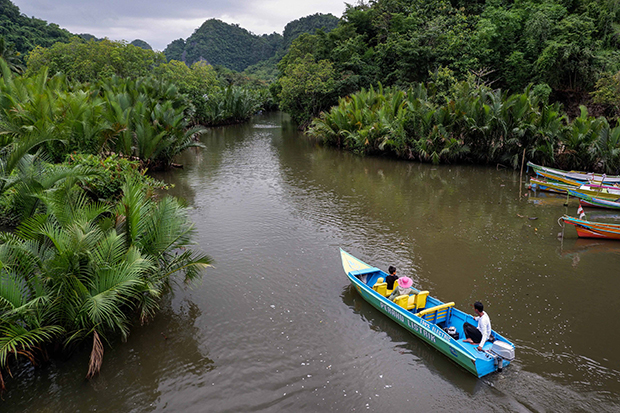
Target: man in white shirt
x,y
478,335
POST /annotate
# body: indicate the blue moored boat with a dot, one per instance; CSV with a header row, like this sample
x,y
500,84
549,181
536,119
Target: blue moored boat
x,y
430,320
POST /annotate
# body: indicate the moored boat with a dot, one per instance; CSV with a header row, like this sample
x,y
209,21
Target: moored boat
x,y
429,319
592,229
574,175
599,191
591,201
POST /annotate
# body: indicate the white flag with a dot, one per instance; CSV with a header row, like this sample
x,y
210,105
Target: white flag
x,y
581,213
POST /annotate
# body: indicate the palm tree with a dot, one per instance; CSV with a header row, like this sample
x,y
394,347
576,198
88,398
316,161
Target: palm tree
x,y
91,266
25,314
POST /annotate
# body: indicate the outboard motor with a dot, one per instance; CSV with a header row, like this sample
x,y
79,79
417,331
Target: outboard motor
x,y
501,351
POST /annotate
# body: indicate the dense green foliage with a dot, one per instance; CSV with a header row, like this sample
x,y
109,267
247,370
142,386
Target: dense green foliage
x,y
473,124
267,69
101,178
224,44
563,45
107,175
233,97
217,96
307,24
235,48
142,119
77,271
25,33
92,60
11,57
229,105
92,247
307,87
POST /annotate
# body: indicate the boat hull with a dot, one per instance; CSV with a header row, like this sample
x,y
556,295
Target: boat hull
x,y
591,229
598,191
465,355
591,201
574,175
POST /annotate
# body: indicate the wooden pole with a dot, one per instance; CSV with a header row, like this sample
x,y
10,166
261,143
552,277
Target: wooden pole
x,y
521,175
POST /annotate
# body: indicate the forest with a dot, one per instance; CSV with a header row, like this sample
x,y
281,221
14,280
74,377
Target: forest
x,y
560,57
82,121
228,45
93,244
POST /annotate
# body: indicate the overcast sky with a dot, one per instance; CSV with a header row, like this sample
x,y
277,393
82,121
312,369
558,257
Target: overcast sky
x,y
158,22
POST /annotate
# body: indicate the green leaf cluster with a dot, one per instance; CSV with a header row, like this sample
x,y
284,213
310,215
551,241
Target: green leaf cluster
x,y
229,105
473,124
79,270
92,247
509,45
143,119
93,60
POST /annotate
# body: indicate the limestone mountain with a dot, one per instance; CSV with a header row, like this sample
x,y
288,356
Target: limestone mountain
x,y
224,44
234,47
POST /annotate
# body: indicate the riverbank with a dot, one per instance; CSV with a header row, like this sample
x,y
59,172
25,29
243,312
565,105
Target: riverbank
x,y
275,326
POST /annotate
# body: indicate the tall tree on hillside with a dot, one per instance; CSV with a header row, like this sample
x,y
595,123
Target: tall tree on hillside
x,y
11,57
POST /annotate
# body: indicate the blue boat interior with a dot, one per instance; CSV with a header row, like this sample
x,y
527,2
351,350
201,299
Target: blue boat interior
x,y
421,304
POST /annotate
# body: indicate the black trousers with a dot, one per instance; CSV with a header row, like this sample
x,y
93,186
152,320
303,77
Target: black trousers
x,y
472,332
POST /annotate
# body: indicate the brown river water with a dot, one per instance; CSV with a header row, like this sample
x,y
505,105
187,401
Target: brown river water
x,y
275,326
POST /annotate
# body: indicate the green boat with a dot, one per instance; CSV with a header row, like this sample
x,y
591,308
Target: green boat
x,y
572,176
603,192
431,320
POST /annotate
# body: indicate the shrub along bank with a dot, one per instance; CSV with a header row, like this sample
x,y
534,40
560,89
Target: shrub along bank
x,y
469,123
91,246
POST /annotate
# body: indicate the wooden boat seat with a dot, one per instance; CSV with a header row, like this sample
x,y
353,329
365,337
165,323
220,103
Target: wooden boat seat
x,y
413,301
380,287
438,313
417,301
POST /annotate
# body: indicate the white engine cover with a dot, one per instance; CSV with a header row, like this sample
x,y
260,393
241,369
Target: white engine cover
x,y
504,350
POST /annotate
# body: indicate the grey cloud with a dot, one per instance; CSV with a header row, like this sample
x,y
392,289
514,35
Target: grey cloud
x,y
159,22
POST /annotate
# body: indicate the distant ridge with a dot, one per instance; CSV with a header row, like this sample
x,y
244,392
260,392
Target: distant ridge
x,y
25,33
138,42
234,47
215,42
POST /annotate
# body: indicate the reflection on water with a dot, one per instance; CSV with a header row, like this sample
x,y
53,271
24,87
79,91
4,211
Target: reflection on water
x,y
576,248
131,379
275,327
407,344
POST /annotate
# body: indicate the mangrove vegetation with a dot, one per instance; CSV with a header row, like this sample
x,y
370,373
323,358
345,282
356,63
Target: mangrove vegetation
x,y
484,82
475,124
91,249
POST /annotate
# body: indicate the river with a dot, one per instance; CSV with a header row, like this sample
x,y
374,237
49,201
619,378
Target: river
x,y
274,325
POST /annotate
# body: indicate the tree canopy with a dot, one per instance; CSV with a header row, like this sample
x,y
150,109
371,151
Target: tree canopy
x,y
563,45
93,60
24,32
233,47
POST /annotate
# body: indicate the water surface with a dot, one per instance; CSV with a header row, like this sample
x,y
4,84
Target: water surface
x,y
275,326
